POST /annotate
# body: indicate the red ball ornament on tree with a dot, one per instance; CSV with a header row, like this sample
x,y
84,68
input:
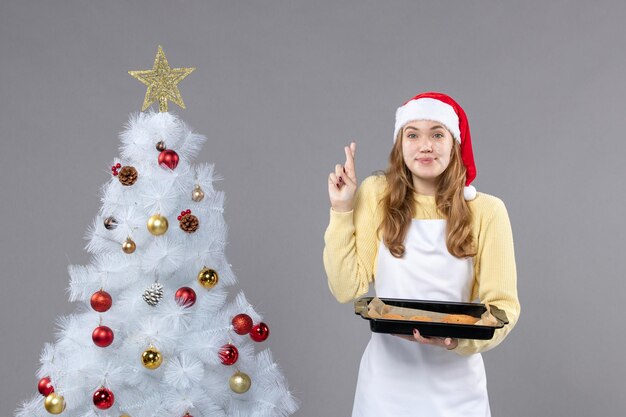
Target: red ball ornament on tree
x,y
228,354
185,297
45,386
102,336
242,324
260,332
168,158
103,398
101,301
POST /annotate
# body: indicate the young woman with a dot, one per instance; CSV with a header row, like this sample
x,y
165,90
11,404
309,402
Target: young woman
x,y
421,231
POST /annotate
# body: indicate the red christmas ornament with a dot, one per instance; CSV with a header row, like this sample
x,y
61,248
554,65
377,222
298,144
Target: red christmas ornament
x,y
228,354
101,301
102,336
114,169
260,332
185,297
45,386
169,158
242,324
103,398
183,213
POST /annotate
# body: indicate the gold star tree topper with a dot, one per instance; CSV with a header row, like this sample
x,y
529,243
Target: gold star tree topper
x,y
162,82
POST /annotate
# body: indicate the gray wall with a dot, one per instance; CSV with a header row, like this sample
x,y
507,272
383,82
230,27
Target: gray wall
x,y
280,87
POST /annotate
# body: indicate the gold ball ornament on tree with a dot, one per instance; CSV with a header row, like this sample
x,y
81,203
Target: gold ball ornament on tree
x,y
129,246
160,146
197,194
54,403
240,382
208,278
151,358
157,224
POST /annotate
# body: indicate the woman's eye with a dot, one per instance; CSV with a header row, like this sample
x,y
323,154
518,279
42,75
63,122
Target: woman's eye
x,y
411,136
439,135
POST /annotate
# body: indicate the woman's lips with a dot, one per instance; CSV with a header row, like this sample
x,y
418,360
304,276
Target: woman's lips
x,y
425,160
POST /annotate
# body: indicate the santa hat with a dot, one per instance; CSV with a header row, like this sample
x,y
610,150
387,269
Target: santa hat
x,y
443,109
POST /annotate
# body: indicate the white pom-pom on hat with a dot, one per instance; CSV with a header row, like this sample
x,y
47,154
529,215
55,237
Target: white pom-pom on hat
x,y
469,192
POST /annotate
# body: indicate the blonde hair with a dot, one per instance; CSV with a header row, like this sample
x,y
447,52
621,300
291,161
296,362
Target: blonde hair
x,y
398,204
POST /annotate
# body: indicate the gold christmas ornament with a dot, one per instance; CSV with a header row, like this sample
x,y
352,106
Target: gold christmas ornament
x,y
157,224
54,403
162,82
240,382
151,358
197,193
129,246
160,146
208,278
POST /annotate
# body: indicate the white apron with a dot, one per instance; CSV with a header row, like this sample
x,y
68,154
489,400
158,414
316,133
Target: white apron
x,y
401,378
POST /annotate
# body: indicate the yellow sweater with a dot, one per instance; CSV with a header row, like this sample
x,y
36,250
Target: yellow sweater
x,y
351,248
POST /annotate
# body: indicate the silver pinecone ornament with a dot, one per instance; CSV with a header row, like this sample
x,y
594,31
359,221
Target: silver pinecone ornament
x,y
153,294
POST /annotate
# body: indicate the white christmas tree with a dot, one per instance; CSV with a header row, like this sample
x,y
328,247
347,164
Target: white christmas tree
x,y
155,332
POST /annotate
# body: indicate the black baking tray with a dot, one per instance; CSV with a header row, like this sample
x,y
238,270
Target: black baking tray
x,y
433,329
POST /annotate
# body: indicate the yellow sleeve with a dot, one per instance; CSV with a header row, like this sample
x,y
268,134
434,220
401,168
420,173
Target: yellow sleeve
x,y
495,275
351,245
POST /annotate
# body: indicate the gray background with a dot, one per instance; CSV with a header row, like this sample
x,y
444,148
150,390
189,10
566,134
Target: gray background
x,y
280,87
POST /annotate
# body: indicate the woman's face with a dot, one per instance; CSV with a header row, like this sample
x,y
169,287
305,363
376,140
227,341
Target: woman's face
x,y
426,148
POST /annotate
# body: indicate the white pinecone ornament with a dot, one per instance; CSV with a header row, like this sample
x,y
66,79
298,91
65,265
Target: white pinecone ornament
x,y
153,294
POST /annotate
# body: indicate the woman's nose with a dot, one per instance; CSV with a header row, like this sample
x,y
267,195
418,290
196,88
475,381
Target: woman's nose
x,y
426,146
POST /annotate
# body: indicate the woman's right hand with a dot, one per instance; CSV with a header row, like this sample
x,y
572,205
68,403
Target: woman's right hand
x,y
342,183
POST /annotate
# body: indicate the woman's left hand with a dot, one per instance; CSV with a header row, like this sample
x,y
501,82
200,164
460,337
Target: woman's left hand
x,y
444,342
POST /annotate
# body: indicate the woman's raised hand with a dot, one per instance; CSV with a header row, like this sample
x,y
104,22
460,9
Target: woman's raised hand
x,y
342,183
